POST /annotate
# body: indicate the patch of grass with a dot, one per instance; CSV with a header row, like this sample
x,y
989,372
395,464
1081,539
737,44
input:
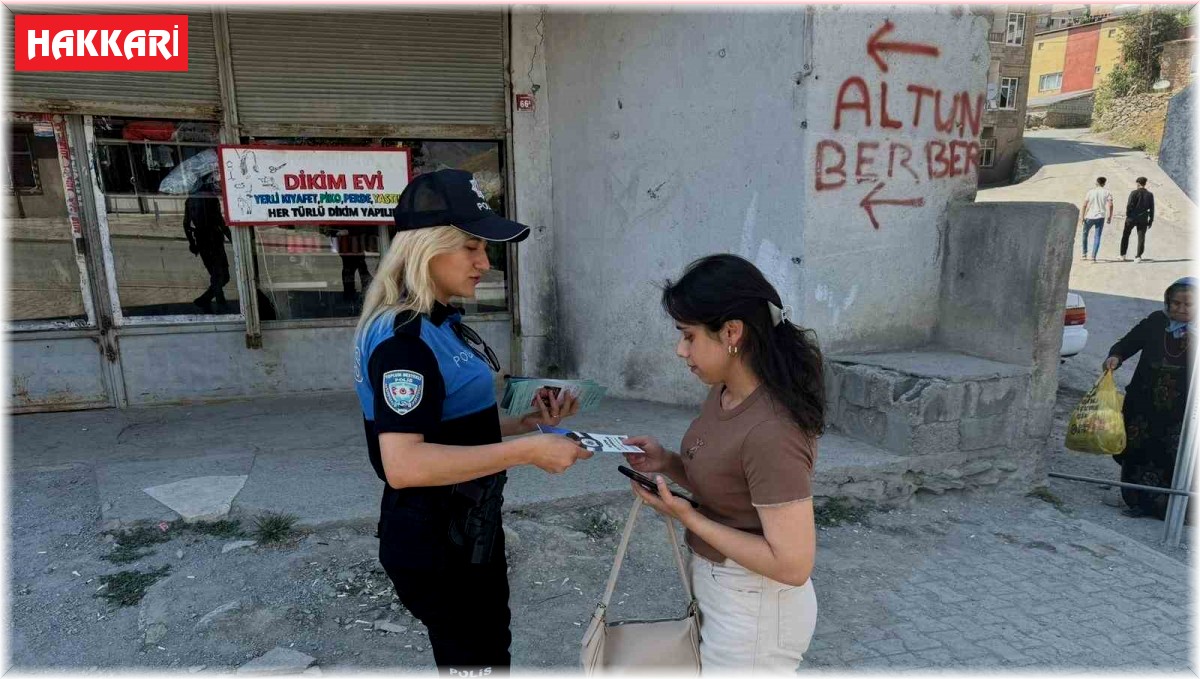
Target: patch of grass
x,y
598,525
126,588
1046,495
838,510
131,543
222,528
124,554
273,527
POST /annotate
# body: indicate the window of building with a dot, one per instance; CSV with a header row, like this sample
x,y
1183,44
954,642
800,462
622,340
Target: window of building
x,y
154,175
1015,32
987,147
1041,45
22,167
43,283
1097,69
1112,32
309,272
1050,81
1008,93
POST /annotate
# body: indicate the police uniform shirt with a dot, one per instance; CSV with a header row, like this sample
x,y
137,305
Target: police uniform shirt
x,y
414,375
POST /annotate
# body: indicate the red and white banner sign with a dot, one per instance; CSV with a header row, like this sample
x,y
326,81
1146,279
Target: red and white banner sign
x,y
100,42
269,185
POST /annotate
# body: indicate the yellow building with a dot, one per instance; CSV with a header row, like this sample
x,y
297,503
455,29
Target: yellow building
x,y
1074,58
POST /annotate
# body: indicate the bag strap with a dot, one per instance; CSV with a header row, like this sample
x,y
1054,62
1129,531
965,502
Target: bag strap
x,y
624,546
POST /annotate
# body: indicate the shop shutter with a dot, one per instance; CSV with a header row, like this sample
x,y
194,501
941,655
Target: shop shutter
x,y
331,69
194,94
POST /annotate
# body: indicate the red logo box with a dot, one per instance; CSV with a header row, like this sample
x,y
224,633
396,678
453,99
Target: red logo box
x,y
100,42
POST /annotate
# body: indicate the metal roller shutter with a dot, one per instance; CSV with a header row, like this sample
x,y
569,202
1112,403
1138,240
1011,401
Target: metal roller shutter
x,y
337,68
195,94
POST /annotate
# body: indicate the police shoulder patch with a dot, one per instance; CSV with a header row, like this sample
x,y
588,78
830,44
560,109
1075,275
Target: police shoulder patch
x,y
403,389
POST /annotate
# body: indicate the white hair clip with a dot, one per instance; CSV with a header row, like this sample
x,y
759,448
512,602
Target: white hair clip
x,y
779,315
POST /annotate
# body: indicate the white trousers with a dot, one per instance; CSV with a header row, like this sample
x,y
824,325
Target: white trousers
x,y
749,622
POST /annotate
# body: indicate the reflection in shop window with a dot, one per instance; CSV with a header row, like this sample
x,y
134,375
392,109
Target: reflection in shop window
x,y
314,272
43,283
308,272
172,251
22,166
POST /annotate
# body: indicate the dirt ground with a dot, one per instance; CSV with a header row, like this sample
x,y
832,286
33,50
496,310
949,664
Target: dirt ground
x,y
323,593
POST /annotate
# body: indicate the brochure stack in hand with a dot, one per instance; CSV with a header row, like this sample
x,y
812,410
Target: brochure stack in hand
x,y
521,394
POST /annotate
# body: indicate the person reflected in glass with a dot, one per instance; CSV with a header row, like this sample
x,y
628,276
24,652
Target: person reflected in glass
x,y
207,234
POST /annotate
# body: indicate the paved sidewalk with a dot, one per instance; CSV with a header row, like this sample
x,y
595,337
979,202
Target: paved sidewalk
x,y
996,583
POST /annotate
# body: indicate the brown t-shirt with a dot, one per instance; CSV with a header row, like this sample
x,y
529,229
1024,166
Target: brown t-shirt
x,y
736,460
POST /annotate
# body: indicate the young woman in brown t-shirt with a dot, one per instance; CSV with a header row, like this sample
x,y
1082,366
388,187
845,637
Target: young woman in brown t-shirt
x,y
748,460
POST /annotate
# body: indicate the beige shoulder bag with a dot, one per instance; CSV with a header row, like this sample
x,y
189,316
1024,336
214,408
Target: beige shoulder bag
x,y
636,644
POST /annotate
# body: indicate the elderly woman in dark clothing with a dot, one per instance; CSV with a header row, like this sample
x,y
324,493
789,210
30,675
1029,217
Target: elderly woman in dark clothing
x,y
1156,398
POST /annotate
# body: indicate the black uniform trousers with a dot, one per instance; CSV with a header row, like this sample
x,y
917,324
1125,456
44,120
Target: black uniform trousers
x,y
464,606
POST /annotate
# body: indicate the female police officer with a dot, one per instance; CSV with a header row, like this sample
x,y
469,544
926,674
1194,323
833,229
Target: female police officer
x,y
433,427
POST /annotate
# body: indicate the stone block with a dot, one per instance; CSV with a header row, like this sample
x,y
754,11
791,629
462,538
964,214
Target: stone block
x,y
944,403
853,386
984,432
938,437
864,424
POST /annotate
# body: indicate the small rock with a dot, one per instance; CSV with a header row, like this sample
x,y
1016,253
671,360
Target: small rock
x,y
277,661
196,668
237,545
179,554
155,633
313,671
389,626
345,576
220,612
394,607
110,538
48,569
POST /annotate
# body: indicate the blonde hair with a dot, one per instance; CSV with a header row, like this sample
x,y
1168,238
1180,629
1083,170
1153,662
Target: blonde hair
x,y
402,281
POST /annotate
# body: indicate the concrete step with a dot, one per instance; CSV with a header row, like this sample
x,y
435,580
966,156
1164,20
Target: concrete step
x,y
927,401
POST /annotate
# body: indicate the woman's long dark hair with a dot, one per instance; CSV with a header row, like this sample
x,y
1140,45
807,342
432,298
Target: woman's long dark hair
x,y
786,358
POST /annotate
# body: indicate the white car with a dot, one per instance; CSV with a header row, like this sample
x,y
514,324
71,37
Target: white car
x,y
1075,332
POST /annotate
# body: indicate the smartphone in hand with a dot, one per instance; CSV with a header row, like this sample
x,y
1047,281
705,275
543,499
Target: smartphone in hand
x,y
649,484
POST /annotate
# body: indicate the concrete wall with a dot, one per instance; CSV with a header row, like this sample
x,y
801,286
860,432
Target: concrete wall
x,y
873,286
292,360
175,364
683,134
673,136
535,343
1176,154
1005,287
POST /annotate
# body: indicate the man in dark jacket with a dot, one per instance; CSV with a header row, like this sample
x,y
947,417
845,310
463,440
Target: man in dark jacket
x,y
207,233
1139,214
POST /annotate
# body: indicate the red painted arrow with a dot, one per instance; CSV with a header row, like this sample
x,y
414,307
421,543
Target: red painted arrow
x,y
876,45
869,201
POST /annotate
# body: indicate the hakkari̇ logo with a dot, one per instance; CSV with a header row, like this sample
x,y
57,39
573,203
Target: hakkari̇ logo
x,y
114,42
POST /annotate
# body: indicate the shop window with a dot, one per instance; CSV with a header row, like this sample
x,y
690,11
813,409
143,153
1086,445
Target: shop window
x,y
43,277
1008,93
171,250
22,167
309,272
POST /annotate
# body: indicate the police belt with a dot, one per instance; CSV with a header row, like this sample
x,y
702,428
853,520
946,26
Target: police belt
x,y
473,509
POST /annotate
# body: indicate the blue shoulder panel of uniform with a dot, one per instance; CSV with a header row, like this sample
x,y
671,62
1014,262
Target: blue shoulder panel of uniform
x,y
468,379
